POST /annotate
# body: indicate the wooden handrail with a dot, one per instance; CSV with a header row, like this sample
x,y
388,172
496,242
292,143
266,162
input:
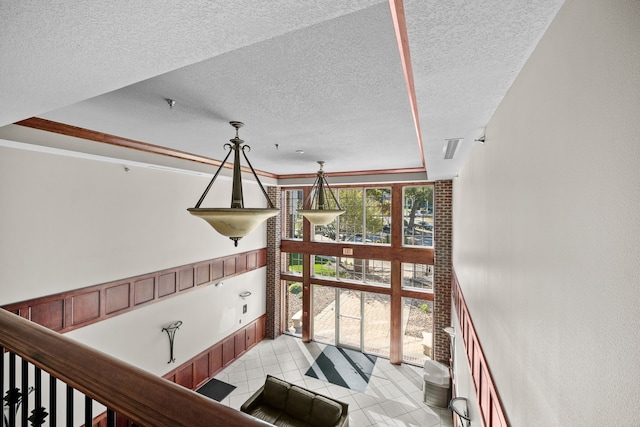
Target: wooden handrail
x,y
144,398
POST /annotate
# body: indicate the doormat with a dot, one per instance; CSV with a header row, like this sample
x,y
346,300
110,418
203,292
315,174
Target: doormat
x,y
343,367
216,389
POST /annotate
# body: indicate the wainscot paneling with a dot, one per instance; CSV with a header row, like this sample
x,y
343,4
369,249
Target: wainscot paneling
x,y
167,284
240,342
144,290
229,266
217,268
185,277
85,307
81,307
252,260
46,313
203,274
201,368
491,409
216,358
184,376
228,350
117,297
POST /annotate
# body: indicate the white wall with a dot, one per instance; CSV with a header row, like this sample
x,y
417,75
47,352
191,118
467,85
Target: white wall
x,y
68,223
209,314
547,222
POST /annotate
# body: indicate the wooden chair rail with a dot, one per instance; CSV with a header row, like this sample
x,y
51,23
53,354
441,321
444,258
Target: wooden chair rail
x,y
144,398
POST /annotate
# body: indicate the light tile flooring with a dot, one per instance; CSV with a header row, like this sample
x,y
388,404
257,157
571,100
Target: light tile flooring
x,y
393,396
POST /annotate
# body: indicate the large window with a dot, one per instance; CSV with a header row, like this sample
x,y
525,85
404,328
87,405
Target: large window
x,y
291,263
417,330
417,276
417,212
367,218
378,215
325,266
377,272
292,202
362,268
368,271
293,307
350,223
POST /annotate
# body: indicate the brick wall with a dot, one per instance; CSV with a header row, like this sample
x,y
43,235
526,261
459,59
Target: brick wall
x,y
274,289
443,194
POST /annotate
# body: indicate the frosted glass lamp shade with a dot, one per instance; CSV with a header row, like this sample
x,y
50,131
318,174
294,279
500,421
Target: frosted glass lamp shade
x,y
234,222
320,216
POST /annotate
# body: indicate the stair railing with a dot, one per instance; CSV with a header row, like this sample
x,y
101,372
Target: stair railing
x,y
140,397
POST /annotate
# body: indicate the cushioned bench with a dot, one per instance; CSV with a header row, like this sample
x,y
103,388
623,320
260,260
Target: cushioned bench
x,y
283,404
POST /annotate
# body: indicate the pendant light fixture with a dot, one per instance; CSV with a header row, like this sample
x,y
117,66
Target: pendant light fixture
x,y
316,209
237,221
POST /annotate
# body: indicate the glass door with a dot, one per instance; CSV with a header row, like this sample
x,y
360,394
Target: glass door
x,y
349,318
324,314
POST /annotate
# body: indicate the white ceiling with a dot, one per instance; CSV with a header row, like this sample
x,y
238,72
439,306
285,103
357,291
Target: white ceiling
x,y
322,77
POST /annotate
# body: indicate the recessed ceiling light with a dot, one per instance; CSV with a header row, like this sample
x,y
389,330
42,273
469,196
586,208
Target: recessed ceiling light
x,y
300,151
450,147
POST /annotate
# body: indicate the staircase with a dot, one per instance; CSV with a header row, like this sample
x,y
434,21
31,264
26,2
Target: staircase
x,y
48,379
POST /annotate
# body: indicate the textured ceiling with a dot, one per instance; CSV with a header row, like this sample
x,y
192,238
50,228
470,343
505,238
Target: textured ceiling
x,y
325,78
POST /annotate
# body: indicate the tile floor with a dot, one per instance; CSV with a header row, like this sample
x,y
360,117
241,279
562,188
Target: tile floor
x,y
393,396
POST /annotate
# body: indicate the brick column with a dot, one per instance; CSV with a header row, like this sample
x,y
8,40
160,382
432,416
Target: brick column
x,y
443,214
274,290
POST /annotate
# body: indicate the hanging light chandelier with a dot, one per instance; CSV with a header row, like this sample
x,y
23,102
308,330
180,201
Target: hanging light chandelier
x,y
237,221
316,209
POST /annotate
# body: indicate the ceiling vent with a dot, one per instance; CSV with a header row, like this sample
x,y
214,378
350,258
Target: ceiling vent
x,y
450,147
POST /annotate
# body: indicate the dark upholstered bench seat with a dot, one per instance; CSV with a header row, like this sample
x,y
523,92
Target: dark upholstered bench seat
x,y
286,405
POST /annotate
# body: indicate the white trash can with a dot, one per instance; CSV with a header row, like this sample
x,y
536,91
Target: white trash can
x,y
437,384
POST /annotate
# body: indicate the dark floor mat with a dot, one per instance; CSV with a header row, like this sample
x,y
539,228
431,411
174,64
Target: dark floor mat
x,y
343,367
216,389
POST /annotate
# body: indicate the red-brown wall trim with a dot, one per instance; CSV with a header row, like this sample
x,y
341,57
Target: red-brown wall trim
x,y
400,26
74,309
105,138
357,173
491,408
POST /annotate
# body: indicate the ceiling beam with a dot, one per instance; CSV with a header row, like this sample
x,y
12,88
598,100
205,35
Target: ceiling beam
x,y
400,25
105,138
